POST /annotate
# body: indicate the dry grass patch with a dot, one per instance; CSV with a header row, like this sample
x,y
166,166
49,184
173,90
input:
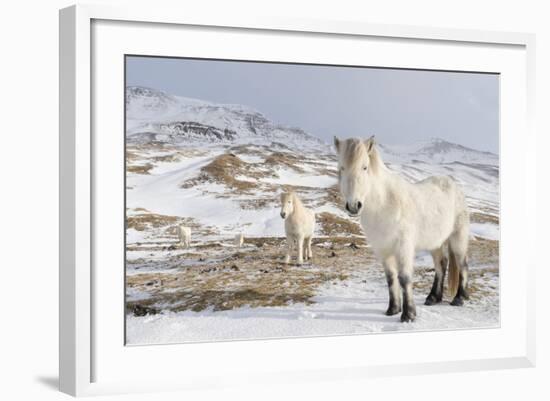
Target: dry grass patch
x,y
333,196
280,159
139,168
332,225
253,277
163,225
224,169
476,217
484,251
144,221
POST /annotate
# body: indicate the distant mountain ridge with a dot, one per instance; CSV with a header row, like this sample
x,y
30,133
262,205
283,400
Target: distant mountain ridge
x,y
437,150
155,116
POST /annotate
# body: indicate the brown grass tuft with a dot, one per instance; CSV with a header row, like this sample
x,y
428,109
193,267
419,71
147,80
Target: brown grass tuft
x,y
144,221
139,168
333,225
224,168
279,159
476,217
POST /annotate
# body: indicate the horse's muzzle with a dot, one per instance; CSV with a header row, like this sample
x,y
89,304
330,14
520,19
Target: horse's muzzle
x,y
353,208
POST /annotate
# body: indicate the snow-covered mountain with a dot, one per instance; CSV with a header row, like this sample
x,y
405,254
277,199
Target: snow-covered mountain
x,y
437,150
153,115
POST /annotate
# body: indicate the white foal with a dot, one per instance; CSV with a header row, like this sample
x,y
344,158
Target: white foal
x,y
400,218
299,226
184,235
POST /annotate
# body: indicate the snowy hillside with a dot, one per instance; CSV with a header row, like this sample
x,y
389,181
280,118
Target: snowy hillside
x,y
219,169
153,115
437,150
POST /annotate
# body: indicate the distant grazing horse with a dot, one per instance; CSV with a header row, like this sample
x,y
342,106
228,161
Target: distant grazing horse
x,y
239,240
400,218
184,235
299,226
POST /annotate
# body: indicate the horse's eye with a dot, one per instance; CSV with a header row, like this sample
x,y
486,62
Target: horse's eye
x,y
365,168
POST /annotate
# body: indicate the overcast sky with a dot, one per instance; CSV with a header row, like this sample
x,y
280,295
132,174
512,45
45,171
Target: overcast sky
x,y
398,106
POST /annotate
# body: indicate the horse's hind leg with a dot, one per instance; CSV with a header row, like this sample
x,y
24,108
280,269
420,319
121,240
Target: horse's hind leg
x,y
458,249
440,264
309,254
390,269
462,292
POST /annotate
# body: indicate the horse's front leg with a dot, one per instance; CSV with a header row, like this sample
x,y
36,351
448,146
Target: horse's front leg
x,y
289,242
300,240
390,269
405,275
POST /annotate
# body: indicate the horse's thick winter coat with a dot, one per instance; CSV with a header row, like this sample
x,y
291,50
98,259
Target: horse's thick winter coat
x,y
239,240
299,226
400,218
184,235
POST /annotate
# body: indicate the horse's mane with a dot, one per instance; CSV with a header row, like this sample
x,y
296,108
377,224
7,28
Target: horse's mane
x,y
297,200
357,149
376,162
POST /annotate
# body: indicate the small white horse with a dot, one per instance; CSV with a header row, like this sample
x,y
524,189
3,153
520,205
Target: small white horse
x,y
400,218
239,240
184,235
299,226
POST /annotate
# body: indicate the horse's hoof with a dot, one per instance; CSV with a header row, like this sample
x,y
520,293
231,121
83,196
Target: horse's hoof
x,y
408,317
393,310
432,300
458,301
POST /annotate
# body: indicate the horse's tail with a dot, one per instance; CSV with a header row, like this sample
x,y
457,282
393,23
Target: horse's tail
x,y
453,275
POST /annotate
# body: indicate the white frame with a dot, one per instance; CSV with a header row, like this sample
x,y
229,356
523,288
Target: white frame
x,y
76,184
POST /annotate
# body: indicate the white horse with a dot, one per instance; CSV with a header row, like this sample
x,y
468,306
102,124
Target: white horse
x,y
239,240
400,218
184,235
299,226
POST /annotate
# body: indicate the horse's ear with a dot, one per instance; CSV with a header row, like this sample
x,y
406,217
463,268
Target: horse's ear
x,y
369,143
337,143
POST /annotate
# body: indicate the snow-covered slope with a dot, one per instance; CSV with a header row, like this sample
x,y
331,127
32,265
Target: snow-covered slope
x,y
437,150
178,145
153,115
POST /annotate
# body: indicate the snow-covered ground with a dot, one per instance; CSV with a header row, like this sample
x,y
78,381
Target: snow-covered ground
x,y
219,169
353,306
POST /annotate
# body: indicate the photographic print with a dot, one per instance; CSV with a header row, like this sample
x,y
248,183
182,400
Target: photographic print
x,y
274,200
